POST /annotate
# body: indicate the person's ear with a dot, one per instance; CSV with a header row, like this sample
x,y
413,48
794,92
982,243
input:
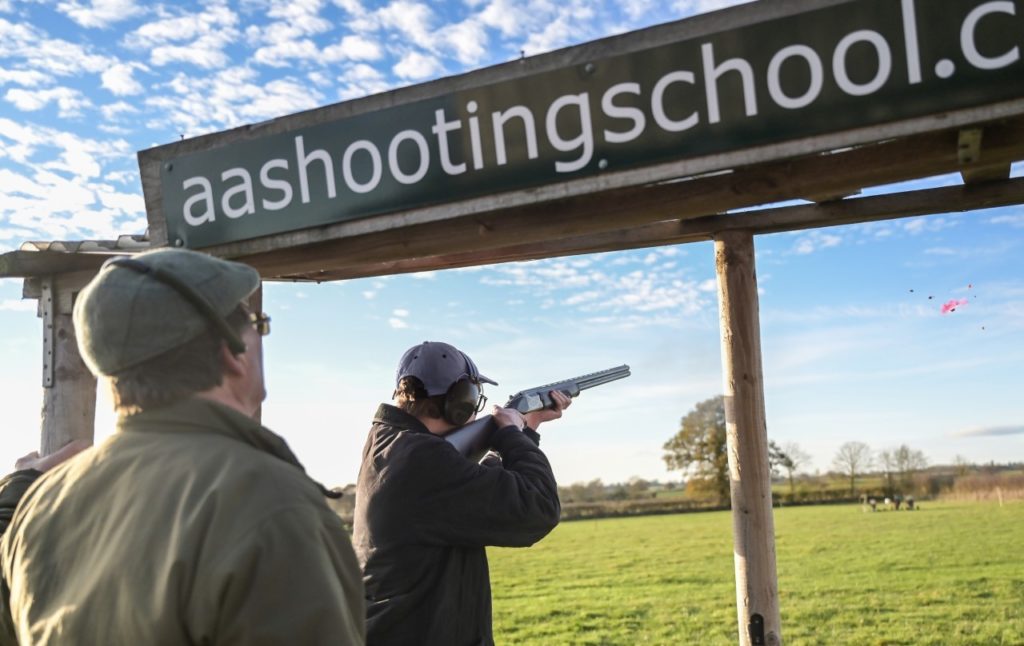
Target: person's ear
x,y
233,364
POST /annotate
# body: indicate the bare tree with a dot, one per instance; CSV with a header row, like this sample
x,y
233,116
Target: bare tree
x,y
908,462
887,460
795,458
852,459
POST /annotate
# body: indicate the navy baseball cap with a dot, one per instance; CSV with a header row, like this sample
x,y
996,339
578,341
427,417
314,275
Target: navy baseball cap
x,y
438,365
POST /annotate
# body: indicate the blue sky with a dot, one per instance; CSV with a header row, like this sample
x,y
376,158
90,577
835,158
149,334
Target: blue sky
x,y
850,352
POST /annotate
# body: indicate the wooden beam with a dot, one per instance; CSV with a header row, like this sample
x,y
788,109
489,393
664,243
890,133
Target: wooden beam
x,y
850,211
757,592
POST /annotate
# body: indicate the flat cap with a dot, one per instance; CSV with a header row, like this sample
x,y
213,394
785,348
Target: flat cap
x,y
124,317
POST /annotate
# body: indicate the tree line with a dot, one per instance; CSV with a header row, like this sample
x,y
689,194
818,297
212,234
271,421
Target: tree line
x,y
699,450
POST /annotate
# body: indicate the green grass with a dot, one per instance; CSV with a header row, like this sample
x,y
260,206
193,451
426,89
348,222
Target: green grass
x,y
950,573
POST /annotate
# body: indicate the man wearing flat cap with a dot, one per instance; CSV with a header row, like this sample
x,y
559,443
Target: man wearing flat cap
x,y
424,513
192,524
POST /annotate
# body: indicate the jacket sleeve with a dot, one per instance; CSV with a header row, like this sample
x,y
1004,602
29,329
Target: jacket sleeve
x,y
459,502
293,579
12,488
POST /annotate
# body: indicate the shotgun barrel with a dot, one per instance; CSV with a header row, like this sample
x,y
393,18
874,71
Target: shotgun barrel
x,y
472,440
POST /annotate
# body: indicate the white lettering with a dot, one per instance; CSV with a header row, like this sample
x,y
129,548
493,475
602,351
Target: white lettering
x,y
775,84
712,74
244,187
884,62
970,46
658,102
304,161
584,140
205,197
499,119
441,129
635,115
910,42
275,185
424,150
474,137
346,166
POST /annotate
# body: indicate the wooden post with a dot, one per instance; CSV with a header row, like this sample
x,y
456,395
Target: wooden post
x,y
69,389
757,593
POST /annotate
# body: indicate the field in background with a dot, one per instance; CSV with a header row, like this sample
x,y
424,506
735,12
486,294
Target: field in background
x,y
950,573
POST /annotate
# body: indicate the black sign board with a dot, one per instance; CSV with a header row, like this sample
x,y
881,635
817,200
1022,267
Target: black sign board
x,y
826,70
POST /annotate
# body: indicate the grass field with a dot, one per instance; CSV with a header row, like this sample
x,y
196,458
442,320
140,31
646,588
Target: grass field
x,y
950,573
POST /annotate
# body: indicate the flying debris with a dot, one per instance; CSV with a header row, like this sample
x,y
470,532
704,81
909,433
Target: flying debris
x,y
951,305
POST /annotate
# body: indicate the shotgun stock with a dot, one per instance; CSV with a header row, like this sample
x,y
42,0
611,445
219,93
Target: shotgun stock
x,y
472,440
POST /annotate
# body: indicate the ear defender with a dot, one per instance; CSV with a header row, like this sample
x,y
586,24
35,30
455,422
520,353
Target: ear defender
x,y
461,401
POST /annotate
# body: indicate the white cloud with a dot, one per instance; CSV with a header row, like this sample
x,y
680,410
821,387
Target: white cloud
x,y
400,313
1013,220
69,101
815,241
60,197
510,17
112,110
229,98
118,79
99,13
354,48
197,38
413,19
416,66
287,37
927,223
467,39
50,56
24,78
639,297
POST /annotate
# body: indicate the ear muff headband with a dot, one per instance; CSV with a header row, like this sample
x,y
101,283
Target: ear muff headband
x,y
194,298
460,401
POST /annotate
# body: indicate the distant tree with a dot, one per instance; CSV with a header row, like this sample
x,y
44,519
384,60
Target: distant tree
x,y
699,449
852,459
776,458
637,487
788,458
909,462
583,491
962,464
887,460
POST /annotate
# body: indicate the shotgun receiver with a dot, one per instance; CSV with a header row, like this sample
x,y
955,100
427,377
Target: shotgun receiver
x,y
473,439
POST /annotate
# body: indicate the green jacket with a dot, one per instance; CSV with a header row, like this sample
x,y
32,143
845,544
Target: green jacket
x,y
192,524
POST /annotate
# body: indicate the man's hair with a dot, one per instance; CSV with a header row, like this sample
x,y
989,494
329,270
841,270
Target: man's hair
x,y
177,374
411,396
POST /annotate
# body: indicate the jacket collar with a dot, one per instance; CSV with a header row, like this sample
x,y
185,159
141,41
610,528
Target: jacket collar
x,y
205,416
398,418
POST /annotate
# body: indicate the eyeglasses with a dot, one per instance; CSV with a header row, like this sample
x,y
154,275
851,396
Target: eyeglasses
x,y
261,322
481,402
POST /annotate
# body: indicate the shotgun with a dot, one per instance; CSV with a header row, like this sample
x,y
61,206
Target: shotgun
x,y
472,440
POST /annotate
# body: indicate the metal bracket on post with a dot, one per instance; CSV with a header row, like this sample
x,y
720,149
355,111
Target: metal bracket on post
x,y
47,307
968,154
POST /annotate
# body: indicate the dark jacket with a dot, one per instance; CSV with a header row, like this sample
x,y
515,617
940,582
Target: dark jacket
x,y
423,516
192,524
